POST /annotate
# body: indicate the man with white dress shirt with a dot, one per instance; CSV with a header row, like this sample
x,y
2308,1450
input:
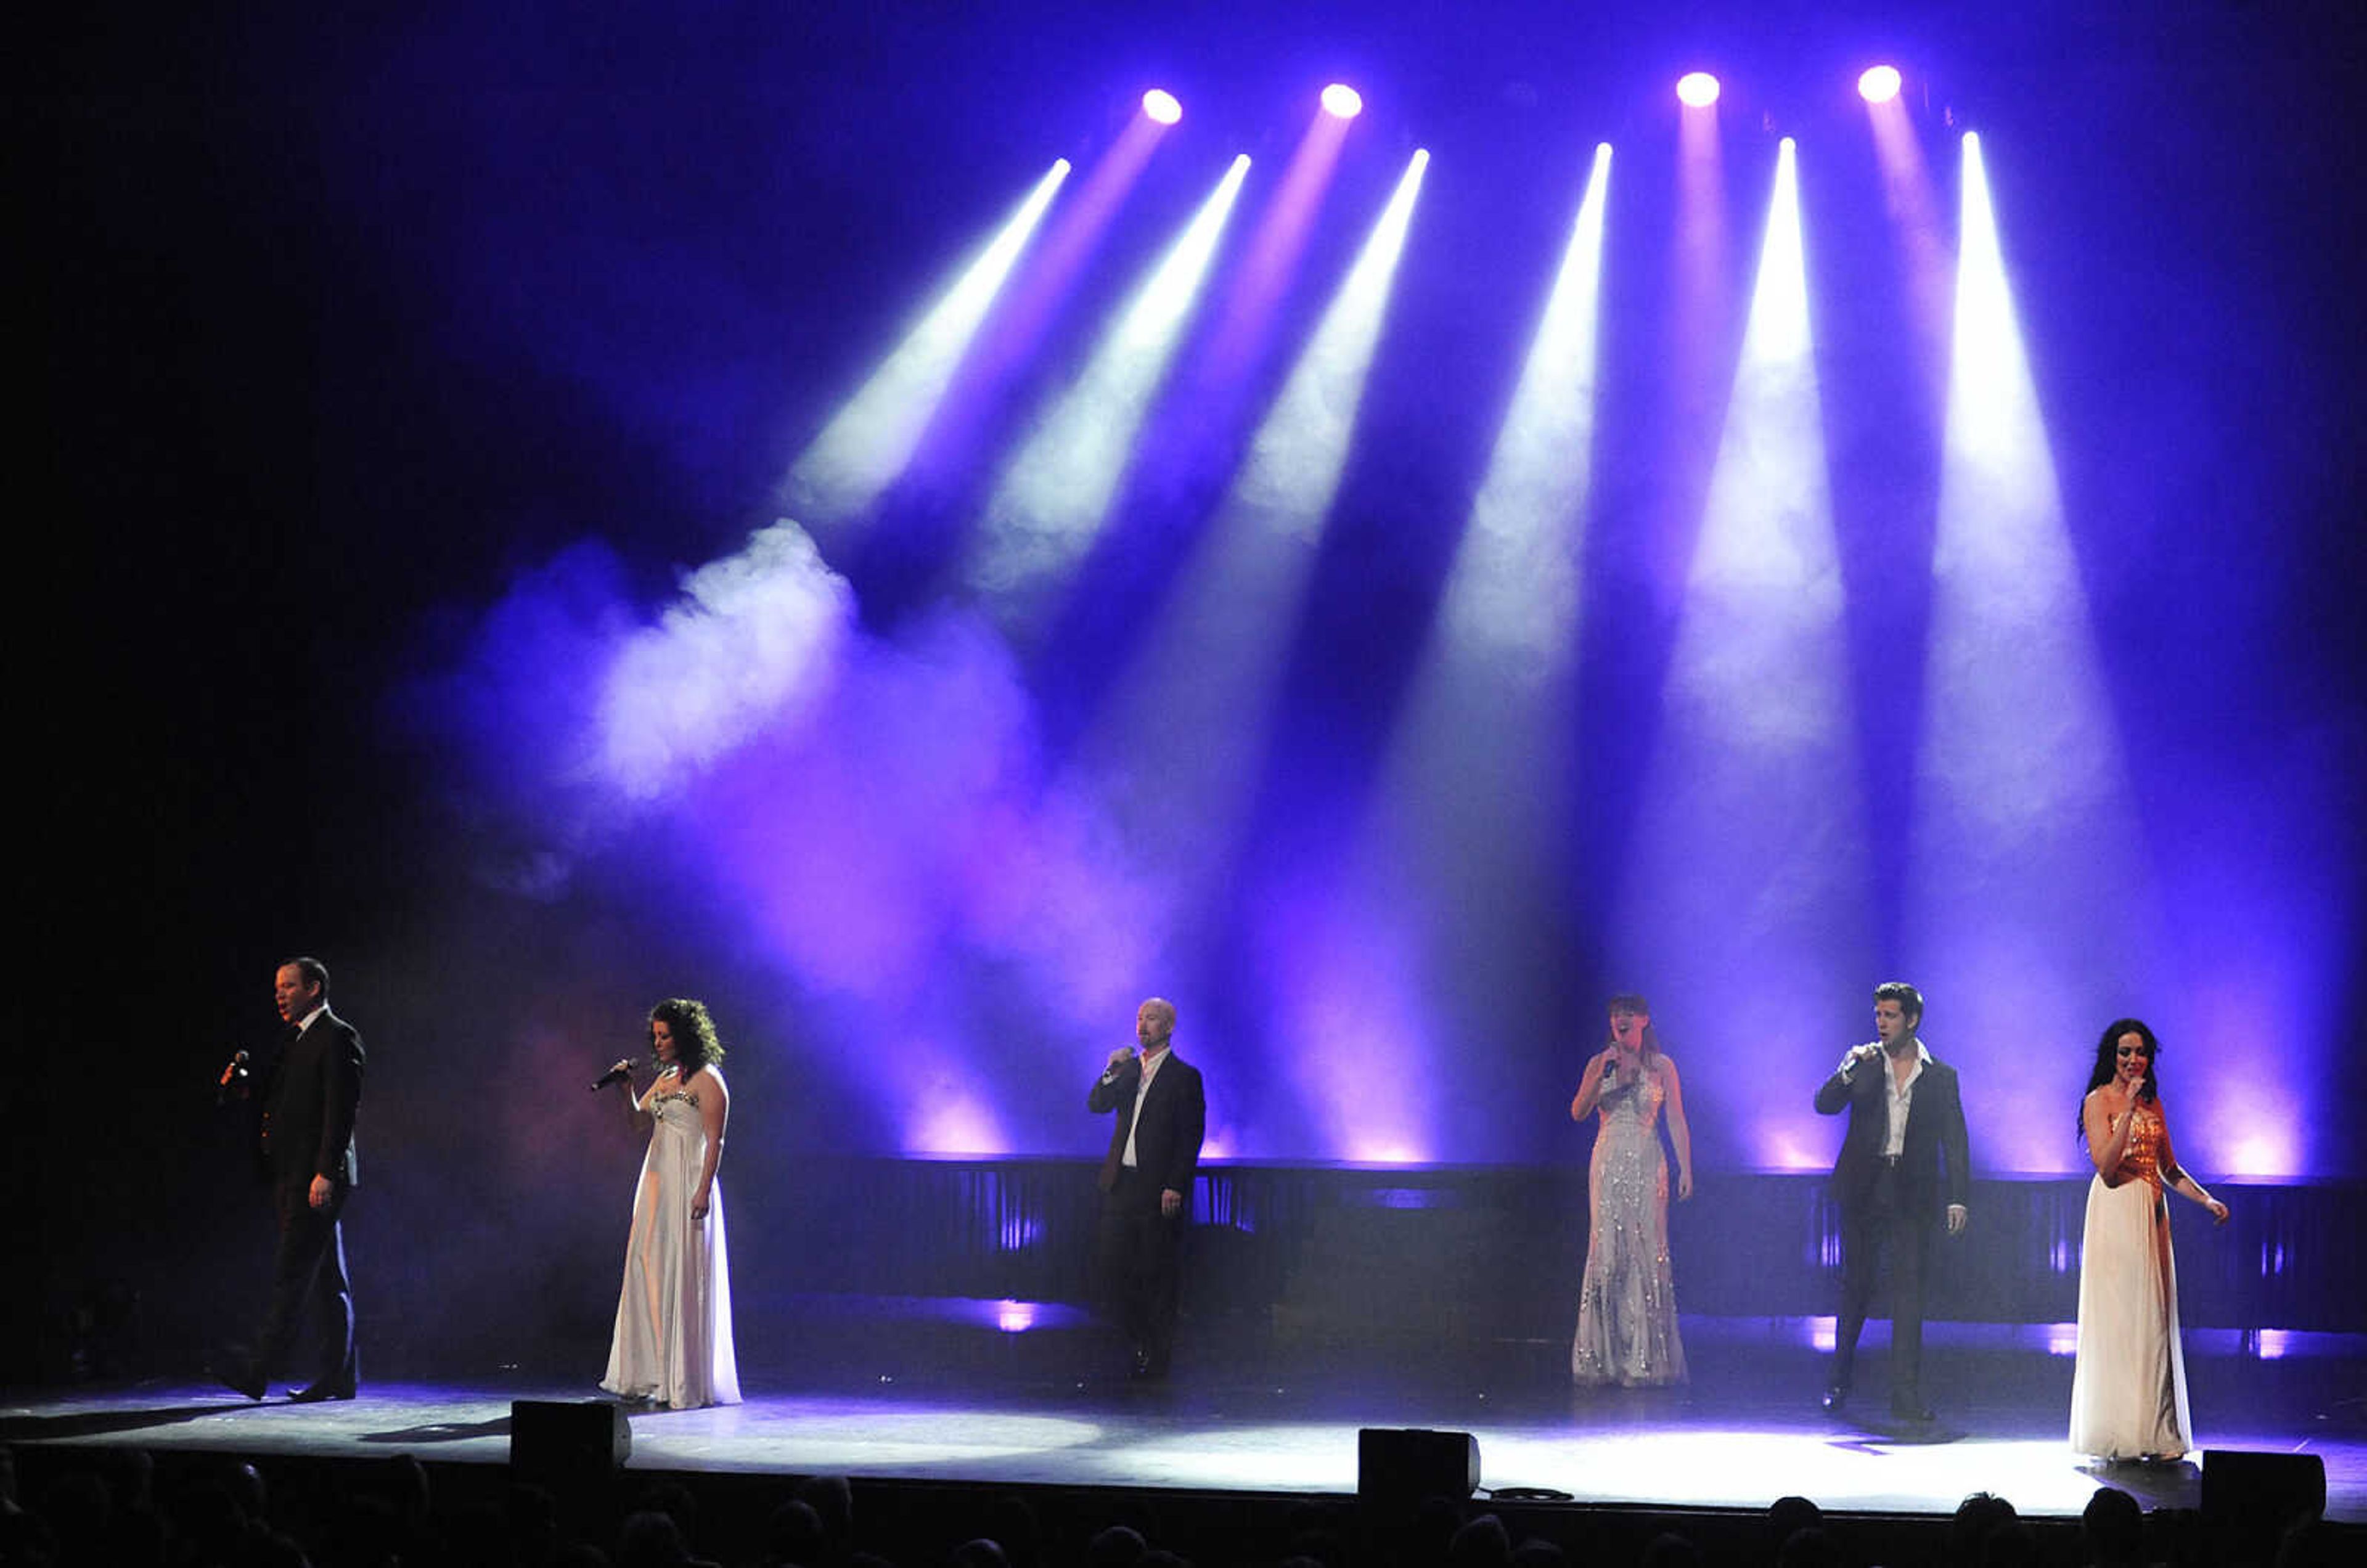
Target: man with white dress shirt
x,y
1907,1118
1146,1180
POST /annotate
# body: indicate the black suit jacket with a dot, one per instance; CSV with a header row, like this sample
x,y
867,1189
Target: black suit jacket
x,y
308,1111
1935,1129
1174,1119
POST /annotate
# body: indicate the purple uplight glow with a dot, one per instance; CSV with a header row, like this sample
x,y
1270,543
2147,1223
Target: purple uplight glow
x,y
1342,101
946,1116
2257,1124
1697,89
1351,997
1161,105
1780,1143
1879,84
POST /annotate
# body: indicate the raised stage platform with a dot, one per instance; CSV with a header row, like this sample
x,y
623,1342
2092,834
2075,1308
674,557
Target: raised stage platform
x,y
913,1324
1032,1400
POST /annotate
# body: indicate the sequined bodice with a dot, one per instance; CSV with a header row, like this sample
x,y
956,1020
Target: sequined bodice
x,y
2142,1157
677,1111
1633,1104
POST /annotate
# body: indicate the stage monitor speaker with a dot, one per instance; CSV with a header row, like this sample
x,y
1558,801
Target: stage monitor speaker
x,y
2261,1491
1401,1466
568,1440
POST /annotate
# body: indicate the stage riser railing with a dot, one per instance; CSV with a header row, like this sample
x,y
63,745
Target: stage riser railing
x,y
1499,1250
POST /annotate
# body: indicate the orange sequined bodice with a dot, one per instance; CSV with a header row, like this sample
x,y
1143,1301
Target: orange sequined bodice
x,y
2143,1156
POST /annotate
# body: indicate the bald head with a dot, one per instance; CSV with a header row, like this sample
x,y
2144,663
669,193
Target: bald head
x,y
1154,1023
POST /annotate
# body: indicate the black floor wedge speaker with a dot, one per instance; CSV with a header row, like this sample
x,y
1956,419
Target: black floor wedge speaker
x,y
2261,1492
568,1440
1401,1466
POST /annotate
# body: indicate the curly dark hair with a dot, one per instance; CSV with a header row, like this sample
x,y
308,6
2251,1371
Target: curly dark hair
x,y
695,1044
2108,1064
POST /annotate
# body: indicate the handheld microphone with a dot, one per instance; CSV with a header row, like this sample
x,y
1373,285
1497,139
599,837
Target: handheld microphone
x,y
233,1073
617,1074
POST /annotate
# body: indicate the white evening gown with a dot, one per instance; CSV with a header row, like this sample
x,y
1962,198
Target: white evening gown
x,y
1627,1305
673,1342
2128,1389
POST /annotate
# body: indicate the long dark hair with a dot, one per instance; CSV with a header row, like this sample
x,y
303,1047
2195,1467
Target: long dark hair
x,y
2108,1063
695,1044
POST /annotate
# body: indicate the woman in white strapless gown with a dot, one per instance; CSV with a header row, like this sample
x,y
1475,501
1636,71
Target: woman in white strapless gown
x,y
2128,1387
1627,1304
673,1343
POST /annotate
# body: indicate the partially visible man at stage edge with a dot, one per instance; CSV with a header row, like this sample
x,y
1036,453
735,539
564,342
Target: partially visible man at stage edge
x,y
1146,1181
1902,1160
310,1097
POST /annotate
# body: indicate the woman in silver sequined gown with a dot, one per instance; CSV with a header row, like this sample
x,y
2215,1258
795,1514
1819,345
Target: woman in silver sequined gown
x,y
1628,1306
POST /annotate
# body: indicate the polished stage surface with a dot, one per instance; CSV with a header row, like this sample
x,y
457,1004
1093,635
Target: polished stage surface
x,y
1047,1409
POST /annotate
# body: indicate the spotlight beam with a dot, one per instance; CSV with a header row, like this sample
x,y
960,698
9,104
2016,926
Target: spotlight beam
x,y
1513,585
1054,493
865,445
1748,865
1209,664
2021,787
1445,873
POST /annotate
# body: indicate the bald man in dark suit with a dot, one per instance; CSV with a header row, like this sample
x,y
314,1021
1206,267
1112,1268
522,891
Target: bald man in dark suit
x,y
1146,1180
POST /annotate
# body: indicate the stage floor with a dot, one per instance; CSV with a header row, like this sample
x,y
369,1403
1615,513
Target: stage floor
x,y
1746,1432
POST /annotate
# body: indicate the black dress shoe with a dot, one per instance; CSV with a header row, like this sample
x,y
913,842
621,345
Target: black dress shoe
x,y
315,1392
245,1381
1835,1398
1913,1410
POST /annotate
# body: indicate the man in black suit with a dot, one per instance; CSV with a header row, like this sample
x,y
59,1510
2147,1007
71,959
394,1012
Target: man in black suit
x,y
308,1103
1906,1118
1146,1180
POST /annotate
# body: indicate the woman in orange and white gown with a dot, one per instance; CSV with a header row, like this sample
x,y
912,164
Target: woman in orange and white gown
x,y
2128,1388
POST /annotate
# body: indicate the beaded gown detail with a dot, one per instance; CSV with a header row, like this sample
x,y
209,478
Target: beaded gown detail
x,y
2128,1386
672,1341
1627,1305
